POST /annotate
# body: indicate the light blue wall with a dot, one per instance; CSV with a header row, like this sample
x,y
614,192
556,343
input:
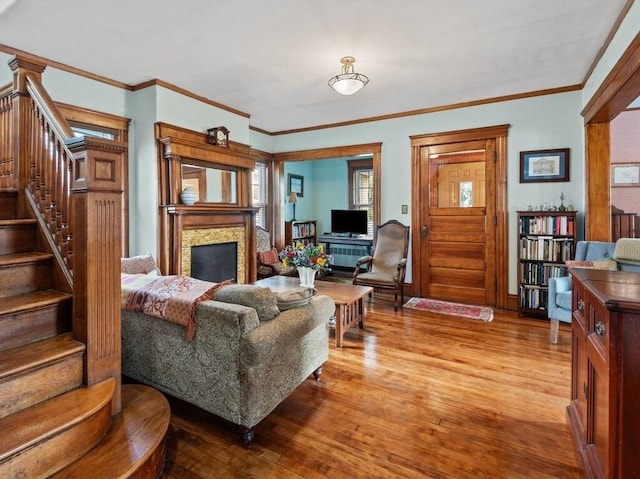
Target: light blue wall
x,y
305,204
143,184
331,189
177,109
551,121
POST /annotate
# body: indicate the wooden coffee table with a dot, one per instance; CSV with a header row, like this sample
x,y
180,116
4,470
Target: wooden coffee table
x,y
347,298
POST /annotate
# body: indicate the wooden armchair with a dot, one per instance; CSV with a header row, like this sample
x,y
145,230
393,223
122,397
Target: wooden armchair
x,y
386,267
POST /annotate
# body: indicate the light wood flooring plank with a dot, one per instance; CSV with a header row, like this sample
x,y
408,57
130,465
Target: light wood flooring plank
x,y
413,395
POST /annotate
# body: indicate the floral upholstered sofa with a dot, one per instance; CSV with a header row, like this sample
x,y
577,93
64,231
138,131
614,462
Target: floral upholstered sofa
x,y
247,353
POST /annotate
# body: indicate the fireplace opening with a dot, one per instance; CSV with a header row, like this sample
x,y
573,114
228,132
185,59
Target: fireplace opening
x,y
215,262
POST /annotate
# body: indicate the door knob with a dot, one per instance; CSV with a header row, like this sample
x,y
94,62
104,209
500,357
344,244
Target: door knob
x,y
425,231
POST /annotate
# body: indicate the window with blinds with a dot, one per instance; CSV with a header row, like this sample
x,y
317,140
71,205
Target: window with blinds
x,y
361,188
259,192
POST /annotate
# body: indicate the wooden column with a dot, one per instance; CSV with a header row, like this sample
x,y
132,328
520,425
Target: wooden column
x,y
96,192
21,117
597,218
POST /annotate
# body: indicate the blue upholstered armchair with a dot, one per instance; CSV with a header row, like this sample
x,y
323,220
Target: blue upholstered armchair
x,y
559,305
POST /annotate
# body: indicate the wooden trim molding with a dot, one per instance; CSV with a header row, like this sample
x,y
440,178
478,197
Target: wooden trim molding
x,y
176,146
375,149
423,111
117,126
619,89
499,134
187,93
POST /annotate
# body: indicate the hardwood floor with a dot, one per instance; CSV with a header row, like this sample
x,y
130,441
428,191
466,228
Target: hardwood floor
x,y
413,395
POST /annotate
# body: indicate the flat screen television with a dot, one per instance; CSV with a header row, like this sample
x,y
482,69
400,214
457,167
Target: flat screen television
x,y
352,222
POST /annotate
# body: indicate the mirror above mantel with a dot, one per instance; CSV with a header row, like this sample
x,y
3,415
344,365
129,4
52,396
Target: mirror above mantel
x,y
220,175
211,185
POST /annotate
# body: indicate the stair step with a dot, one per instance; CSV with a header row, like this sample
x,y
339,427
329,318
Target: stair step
x,y
44,438
34,316
135,442
8,200
35,372
24,272
17,236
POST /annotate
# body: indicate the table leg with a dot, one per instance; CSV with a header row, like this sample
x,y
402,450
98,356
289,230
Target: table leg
x,y
361,313
339,330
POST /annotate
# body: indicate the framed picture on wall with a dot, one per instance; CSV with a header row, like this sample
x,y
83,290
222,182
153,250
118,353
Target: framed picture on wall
x,y
625,174
544,165
296,185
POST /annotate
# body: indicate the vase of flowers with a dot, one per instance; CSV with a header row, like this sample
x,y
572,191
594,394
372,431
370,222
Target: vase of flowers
x,y
307,259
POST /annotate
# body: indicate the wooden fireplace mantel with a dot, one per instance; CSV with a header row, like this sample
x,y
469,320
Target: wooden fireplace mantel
x,y
206,220
177,147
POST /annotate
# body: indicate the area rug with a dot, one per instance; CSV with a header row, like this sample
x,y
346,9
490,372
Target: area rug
x,y
470,311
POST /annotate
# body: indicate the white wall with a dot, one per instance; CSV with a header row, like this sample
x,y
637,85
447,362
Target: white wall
x,y
624,36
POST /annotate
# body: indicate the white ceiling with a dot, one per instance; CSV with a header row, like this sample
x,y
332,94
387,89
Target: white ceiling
x,y
272,59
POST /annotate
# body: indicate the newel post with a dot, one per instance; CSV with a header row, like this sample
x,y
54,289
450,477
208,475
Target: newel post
x,y
22,116
96,215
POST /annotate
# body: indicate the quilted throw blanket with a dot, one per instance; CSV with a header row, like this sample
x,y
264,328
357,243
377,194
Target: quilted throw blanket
x,y
172,298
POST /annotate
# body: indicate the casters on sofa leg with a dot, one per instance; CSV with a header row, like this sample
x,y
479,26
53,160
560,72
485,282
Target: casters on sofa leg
x,y
317,373
247,436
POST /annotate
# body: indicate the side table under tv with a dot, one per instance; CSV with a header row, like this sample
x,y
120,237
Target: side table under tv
x,y
348,299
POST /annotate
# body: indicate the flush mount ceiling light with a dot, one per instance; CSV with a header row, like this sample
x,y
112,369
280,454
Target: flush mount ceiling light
x,y
348,82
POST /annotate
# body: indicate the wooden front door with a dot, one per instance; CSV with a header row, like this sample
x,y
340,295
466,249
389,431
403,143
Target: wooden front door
x,y
456,239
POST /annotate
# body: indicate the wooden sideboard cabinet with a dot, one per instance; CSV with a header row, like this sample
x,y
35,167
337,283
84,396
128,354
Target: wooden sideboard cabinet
x,y
604,412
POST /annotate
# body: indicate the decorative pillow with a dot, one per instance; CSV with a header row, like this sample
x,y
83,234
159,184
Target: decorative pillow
x,y
143,264
263,300
607,264
269,257
294,298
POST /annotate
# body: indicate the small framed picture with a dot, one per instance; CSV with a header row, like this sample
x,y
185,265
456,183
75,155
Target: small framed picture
x,y
625,174
544,165
296,185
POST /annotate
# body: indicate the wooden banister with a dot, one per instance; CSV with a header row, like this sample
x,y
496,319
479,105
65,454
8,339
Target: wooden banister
x,y
49,109
73,185
6,129
49,179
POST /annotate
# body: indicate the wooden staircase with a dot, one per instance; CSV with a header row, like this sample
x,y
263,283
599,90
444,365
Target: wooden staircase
x,y
52,425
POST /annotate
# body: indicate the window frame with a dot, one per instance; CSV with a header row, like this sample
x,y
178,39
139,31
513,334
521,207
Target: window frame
x,y
355,166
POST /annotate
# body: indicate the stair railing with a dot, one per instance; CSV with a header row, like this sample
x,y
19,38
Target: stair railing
x,y
74,187
50,170
6,156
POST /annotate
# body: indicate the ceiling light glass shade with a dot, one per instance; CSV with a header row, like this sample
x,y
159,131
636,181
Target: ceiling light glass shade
x,y
348,82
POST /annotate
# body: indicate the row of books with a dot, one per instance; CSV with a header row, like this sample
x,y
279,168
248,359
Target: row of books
x,y
546,248
553,225
539,273
534,297
300,230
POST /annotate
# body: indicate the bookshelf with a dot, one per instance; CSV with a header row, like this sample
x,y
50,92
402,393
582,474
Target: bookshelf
x,y
303,231
546,239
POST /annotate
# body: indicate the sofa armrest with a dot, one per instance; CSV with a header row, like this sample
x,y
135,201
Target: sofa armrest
x,y
559,303
217,318
559,285
272,337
